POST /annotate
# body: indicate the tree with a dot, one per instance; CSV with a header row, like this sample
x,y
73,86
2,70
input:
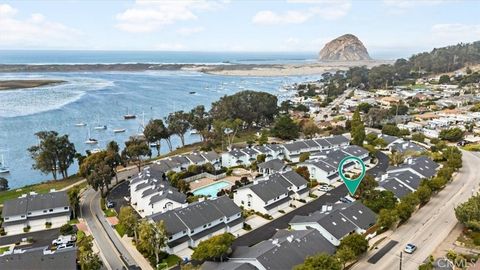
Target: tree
x,y
303,171
370,138
321,261
444,79
391,130
87,259
152,238
53,153
304,156
285,128
97,171
453,156
263,139
376,116
251,107
74,199
379,199
214,248
358,129
261,158
135,150
468,213
452,134
367,185
387,218
179,124
437,183
154,132
418,137
405,210
128,219
200,121
364,107
397,158
310,129
3,184
356,242
424,193
345,255
113,157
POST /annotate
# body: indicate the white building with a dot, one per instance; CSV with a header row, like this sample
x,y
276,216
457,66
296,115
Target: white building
x,y
199,221
272,193
35,211
151,193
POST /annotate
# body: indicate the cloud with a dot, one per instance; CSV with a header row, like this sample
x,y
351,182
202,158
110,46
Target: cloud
x,y
449,34
187,31
34,31
148,16
405,4
325,9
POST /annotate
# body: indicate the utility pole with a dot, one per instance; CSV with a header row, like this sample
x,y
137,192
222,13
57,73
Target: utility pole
x,y
400,266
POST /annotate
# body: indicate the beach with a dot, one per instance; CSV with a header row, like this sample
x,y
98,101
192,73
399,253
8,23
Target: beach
x,y
20,84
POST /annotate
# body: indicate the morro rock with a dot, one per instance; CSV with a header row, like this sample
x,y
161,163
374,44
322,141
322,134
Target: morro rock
x,y
344,48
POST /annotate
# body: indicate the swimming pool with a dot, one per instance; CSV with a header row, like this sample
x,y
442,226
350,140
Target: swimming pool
x,y
212,189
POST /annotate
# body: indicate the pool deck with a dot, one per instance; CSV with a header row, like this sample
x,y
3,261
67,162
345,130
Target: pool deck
x,y
194,185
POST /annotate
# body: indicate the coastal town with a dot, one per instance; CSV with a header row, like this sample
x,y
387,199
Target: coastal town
x,y
256,178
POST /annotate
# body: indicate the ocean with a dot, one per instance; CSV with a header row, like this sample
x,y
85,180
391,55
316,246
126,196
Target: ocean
x,y
102,98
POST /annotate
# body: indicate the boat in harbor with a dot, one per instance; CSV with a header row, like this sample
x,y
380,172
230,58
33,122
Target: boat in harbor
x,y
193,93
129,116
119,130
100,127
3,166
81,124
90,140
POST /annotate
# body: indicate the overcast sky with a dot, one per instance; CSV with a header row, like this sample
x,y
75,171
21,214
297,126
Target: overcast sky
x,y
389,27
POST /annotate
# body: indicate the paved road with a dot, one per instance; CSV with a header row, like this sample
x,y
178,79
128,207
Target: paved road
x,y
268,230
382,165
430,225
110,256
328,110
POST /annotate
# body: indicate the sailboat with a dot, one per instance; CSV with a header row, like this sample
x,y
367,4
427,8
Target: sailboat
x,y
129,116
3,167
80,124
99,127
91,140
119,130
141,128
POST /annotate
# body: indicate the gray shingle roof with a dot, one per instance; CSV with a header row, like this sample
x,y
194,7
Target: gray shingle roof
x,y
387,138
273,164
295,146
422,165
398,189
170,194
21,206
195,157
211,156
407,177
35,259
337,140
227,266
286,249
268,190
406,147
294,178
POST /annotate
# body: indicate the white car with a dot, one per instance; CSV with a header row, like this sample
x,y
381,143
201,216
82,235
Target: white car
x,y
64,239
410,248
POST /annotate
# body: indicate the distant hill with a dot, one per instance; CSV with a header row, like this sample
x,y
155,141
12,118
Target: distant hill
x,y
344,48
447,59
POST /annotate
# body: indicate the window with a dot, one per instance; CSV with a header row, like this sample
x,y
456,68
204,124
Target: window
x,y
192,231
184,232
243,202
66,207
228,219
6,218
22,216
51,210
170,238
29,213
204,226
44,211
209,224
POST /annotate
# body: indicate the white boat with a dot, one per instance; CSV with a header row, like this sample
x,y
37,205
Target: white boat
x,y
96,150
81,124
193,132
128,115
119,130
3,167
90,140
100,127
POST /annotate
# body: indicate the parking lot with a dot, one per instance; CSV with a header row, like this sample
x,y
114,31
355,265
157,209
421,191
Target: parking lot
x,y
40,239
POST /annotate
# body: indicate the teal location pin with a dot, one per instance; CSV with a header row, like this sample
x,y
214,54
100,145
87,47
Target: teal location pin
x,y
352,184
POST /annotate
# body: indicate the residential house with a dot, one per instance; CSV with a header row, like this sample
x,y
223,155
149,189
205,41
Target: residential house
x,y
272,193
34,211
422,166
40,258
150,192
199,221
285,250
334,222
273,166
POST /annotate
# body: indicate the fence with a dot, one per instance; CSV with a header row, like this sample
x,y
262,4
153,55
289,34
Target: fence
x,y
204,175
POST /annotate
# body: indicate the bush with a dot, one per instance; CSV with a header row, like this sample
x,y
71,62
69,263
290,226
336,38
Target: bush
x,y
48,225
281,211
247,227
26,229
66,229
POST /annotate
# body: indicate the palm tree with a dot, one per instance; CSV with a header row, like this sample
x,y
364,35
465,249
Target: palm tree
x,y
74,199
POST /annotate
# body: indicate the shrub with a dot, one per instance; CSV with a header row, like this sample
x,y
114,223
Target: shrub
x,y
48,225
247,227
26,229
66,229
281,211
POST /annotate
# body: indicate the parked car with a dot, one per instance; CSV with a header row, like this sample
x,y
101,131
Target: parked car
x,y
64,246
110,204
64,239
410,248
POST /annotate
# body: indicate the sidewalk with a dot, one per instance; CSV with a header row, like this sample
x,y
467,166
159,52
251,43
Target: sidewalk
x,y
127,243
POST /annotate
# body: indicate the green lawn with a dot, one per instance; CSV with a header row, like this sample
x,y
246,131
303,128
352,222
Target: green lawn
x,y
44,187
73,221
3,249
120,229
472,147
110,212
171,260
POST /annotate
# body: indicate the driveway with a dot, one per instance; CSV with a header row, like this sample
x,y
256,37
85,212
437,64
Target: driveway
x,y
40,238
117,195
381,166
